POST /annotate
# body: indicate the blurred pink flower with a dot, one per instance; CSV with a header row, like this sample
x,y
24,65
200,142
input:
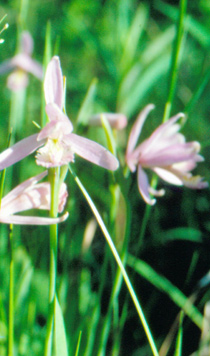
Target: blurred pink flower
x,y
116,120
166,153
22,64
30,195
60,144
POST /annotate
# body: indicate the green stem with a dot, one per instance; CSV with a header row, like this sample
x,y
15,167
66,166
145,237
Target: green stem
x,y
11,297
54,182
120,264
175,59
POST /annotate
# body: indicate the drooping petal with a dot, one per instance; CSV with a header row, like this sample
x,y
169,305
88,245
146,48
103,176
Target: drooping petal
x,y
53,83
35,197
137,127
92,151
32,220
21,188
168,176
19,151
27,64
144,186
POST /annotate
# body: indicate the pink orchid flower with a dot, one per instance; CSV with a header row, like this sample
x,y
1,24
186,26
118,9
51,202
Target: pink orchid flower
x,y
60,144
166,153
30,195
22,64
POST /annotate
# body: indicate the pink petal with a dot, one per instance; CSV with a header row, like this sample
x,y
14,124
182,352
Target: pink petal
x,y
92,151
21,188
34,197
27,43
27,64
55,113
169,155
194,182
17,80
53,83
19,151
137,127
31,220
144,186
168,176
6,67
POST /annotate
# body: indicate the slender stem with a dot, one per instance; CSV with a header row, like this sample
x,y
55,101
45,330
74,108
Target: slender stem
x,y
175,59
54,180
120,264
11,297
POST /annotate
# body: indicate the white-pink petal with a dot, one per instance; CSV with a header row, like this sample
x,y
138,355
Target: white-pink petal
x,y
92,151
144,186
19,151
27,43
32,220
168,176
137,127
21,188
56,114
53,83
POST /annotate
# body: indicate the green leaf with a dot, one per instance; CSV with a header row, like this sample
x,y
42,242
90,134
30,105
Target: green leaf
x,y
181,233
178,350
47,58
61,348
167,287
85,109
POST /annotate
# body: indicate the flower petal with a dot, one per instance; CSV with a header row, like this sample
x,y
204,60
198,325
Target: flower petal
x,y
21,188
27,64
144,186
6,67
17,80
27,43
92,151
56,114
53,83
168,176
169,155
19,151
32,220
137,127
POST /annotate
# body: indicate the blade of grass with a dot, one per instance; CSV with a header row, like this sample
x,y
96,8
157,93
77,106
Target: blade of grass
x,y
119,262
85,109
11,297
78,344
178,351
175,59
47,58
